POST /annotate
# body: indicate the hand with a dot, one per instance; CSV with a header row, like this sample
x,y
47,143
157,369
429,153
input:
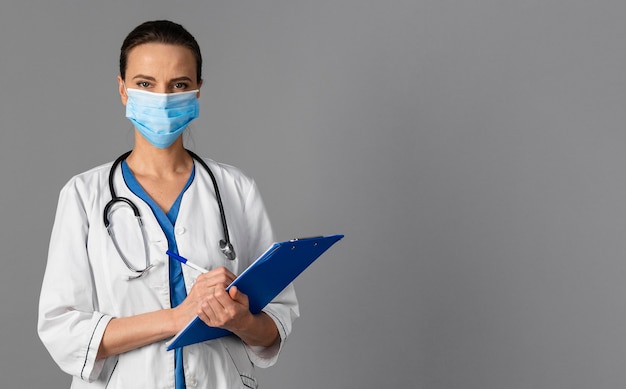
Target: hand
x,y
204,286
229,310
209,300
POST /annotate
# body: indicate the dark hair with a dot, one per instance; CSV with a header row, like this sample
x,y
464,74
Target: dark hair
x,y
160,31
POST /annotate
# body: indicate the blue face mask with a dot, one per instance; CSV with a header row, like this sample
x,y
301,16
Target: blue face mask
x,y
161,117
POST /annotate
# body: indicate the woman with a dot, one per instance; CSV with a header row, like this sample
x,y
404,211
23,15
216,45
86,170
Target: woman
x,y
110,303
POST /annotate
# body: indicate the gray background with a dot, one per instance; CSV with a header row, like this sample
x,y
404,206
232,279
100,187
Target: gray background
x,y
471,151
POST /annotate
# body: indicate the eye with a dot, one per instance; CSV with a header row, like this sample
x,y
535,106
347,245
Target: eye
x,y
180,85
143,84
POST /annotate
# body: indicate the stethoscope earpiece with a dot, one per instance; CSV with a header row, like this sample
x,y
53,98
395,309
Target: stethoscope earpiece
x,y
138,273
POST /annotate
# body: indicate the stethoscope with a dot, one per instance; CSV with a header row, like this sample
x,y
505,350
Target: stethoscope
x,y
225,246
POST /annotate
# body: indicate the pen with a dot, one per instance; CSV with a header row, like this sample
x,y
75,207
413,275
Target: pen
x,y
186,262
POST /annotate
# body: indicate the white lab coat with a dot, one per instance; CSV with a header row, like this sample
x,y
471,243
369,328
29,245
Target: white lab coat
x,y
85,283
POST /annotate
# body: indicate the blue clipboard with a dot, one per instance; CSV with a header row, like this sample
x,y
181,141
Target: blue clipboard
x,y
262,281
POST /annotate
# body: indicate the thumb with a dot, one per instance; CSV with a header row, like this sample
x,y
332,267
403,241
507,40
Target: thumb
x,y
238,296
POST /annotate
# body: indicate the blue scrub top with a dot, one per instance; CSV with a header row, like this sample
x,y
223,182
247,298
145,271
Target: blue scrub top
x,y
167,223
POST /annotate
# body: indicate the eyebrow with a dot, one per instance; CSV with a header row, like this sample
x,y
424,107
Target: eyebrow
x,y
145,77
177,79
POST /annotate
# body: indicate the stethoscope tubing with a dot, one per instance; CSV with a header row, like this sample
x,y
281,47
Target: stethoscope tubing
x,y
225,245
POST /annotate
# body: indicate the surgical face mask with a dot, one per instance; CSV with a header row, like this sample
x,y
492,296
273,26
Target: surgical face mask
x,y
161,117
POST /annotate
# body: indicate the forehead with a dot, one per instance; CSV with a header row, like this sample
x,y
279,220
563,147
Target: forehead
x,y
161,59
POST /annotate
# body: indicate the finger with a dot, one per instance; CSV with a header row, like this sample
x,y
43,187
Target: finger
x,y
223,301
219,276
208,313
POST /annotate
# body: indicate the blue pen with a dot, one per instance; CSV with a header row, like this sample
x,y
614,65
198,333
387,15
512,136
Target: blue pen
x,y
186,262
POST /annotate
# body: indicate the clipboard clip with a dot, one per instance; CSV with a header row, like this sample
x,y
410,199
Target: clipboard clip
x,y
305,238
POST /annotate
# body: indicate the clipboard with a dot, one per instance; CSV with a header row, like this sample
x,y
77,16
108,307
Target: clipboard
x,y
262,281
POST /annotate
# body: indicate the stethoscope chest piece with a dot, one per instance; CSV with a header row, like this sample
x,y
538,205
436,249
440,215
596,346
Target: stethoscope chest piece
x,y
228,250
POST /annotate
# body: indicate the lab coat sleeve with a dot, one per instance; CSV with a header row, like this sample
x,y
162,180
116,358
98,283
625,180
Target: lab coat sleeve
x,y
284,308
68,324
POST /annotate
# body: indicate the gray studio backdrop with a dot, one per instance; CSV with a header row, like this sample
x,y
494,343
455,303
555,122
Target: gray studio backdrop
x,y
473,152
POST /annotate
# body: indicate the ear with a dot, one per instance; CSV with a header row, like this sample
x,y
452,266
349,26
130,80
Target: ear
x,y
199,86
122,90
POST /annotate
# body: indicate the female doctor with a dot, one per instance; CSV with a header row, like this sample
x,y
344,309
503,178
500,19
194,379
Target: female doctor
x,y
111,297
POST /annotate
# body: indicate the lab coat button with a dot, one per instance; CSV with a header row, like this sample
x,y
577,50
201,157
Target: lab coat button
x,y
192,382
180,230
